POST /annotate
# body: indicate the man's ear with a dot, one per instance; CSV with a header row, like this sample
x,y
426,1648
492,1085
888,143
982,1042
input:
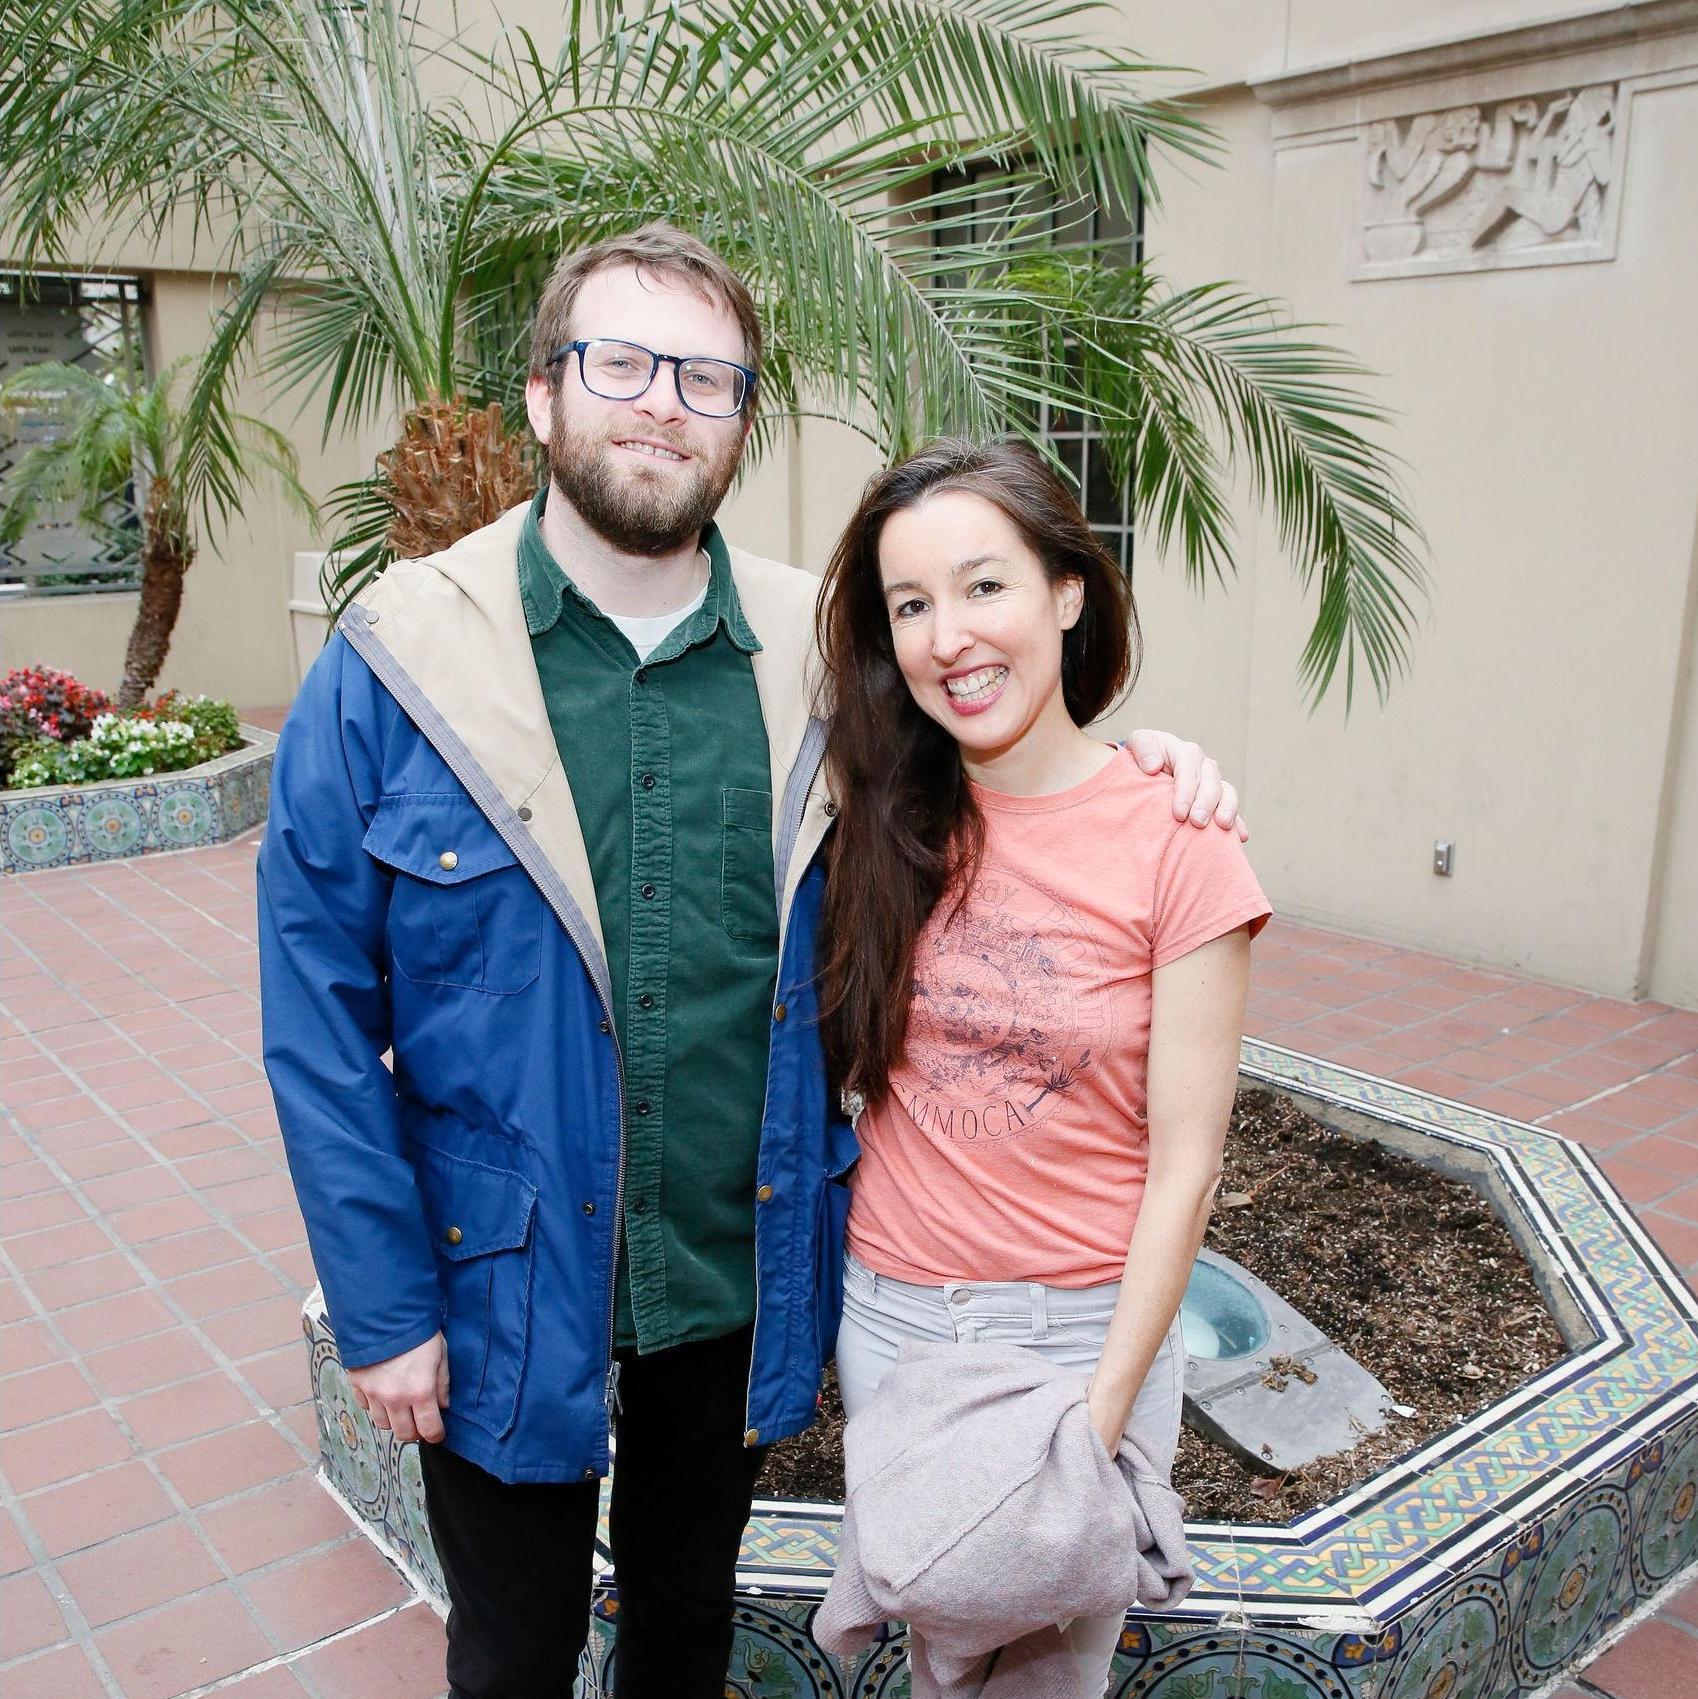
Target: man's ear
x,y
539,407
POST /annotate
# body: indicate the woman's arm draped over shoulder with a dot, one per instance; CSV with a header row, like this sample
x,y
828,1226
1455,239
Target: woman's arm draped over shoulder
x,y
1196,1018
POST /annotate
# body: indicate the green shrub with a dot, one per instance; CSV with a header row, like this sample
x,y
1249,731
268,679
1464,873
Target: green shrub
x,y
176,732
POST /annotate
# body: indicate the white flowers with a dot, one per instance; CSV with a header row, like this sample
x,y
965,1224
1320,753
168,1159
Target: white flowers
x,y
115,748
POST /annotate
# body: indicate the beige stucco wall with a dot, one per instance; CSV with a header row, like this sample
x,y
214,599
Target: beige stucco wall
x,y
1550,722
1549,726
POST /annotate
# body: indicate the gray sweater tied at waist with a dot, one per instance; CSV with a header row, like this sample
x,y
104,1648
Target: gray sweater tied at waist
x,y
984,1511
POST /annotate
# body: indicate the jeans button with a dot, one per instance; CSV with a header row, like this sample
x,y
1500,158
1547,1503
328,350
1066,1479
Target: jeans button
x,y
962,1296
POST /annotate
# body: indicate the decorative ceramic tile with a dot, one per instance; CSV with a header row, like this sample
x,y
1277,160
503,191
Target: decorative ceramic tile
x,y
69,825
1475,1567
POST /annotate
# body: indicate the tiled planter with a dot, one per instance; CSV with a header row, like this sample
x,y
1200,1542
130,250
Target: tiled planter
x,y
1477,1567
69,825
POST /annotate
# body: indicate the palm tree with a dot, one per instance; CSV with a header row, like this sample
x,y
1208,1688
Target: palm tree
x,y
116,432
834,154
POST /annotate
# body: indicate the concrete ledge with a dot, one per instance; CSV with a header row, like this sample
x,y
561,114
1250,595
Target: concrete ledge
x,y
70,825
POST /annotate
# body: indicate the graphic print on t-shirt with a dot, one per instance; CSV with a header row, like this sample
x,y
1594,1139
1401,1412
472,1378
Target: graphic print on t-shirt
x,y
1002,1026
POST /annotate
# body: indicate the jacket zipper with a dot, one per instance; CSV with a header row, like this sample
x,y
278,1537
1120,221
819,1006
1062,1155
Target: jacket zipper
x,y
801,781
401,686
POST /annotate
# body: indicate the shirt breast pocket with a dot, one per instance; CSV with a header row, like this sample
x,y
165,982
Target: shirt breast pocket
x,y
747,904
462,913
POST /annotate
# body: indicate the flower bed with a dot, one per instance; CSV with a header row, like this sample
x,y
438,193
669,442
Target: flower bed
x,y
68,825
1479,1565
55,731
80,782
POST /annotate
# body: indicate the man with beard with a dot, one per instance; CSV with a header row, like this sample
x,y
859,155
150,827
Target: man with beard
x,y
545,827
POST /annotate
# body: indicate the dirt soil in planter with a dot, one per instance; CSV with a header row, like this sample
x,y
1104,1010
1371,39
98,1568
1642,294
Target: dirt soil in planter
x,y
1409,1272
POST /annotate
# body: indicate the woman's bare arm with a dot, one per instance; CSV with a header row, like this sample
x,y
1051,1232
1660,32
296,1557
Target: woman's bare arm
x,y
1196,1019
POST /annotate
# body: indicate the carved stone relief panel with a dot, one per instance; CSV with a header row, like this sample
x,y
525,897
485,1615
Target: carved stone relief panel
x,y
1532,180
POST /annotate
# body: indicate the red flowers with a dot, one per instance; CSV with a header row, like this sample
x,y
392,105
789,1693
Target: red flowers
x,y
38,702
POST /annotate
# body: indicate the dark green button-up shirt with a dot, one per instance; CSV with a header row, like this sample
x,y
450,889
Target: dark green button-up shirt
x,y
667,760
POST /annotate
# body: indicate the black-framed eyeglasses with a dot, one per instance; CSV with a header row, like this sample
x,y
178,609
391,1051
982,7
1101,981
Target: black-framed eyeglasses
x,y
621,371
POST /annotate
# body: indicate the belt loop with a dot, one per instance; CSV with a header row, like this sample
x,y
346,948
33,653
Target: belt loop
x,y
1040,1309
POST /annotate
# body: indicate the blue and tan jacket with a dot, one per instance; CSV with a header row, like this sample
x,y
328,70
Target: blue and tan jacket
x,y
438,1018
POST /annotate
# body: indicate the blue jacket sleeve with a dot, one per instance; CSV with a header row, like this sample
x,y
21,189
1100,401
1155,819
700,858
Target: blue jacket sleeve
x,y
323,905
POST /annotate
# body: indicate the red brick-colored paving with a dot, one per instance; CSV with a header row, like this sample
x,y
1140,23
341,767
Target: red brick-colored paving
x,y
160,1530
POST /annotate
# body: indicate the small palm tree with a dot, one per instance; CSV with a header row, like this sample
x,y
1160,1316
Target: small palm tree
x,y
834,153
118,432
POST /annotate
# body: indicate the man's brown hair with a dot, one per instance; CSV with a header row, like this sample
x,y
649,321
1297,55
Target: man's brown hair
x,y
656,247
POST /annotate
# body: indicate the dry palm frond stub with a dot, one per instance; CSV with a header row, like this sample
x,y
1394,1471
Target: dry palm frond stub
x,y
455,469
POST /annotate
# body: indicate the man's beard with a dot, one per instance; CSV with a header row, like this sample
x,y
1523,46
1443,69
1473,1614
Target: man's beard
x,y
645,515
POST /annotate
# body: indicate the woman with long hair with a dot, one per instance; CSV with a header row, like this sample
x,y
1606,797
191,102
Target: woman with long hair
x,y
1032,976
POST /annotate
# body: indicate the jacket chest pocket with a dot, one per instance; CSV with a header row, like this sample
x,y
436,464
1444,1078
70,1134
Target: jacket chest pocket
x,y
462,912
748,905
480,1221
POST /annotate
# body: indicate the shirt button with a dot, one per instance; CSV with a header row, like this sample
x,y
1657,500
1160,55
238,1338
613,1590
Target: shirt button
x,y
454,1235
589,1208
648,893
648,781
641,1106
448,861
638,1205
780,1012
525,812
645,1001
641,675
764,1195
752,1437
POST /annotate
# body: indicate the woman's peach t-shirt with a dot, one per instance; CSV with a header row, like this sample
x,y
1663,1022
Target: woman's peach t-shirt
x,y
1013,1143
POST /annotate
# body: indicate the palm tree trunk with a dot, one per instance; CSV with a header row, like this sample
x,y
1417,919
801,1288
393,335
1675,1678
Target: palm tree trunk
x,y
166,556
454,468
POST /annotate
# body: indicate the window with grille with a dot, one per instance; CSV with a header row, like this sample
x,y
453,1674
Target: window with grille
x,y
87,321
1075,220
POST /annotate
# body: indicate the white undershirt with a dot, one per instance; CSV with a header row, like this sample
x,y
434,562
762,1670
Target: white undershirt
x,y
646,632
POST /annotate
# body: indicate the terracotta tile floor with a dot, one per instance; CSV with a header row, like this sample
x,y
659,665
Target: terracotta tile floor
x,y
160,1531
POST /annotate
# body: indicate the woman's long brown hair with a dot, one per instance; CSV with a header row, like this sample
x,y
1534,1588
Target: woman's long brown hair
x,y
907,829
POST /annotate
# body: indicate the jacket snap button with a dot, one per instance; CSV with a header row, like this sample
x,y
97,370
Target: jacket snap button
x,y
752,1437
646,1001
453,1235
780,1012
641,1106
648,892
648,781
589,1474
448,861
765,1194
371,617
525,813
831,811
589,1209
607,1026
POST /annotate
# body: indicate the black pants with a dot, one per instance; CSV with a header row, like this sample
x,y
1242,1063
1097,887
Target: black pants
x,y
518,1559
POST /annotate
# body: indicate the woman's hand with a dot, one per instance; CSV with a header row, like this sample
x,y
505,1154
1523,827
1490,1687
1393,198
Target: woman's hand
x,y
1107,1417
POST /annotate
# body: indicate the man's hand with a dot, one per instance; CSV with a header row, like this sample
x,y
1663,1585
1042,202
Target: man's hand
x,y
1199,792
406,1393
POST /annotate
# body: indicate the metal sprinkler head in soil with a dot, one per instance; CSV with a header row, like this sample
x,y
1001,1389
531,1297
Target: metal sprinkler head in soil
x,y
1263,1380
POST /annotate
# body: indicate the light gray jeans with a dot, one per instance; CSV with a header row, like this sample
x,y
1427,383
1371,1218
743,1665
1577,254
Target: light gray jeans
x,y
1065,1324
